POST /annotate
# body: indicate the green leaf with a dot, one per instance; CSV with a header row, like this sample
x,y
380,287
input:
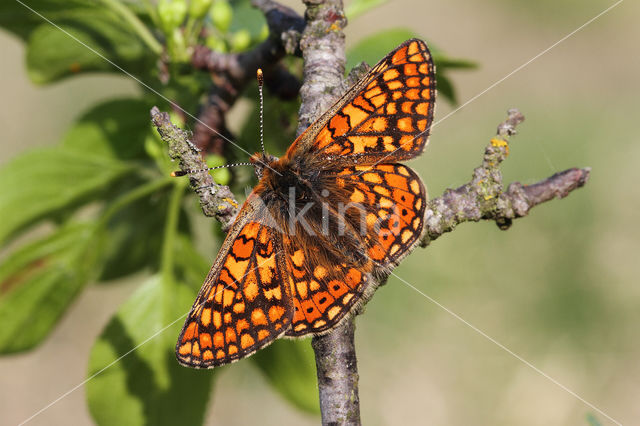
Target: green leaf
x,y
46,181
358,7
39,281
290,367
115,129
53,54
137,378
21,21
446,89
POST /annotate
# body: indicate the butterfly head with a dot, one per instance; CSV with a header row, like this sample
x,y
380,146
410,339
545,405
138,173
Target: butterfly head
x,y
262,160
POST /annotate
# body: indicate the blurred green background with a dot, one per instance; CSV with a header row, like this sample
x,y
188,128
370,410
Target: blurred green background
x,y
559,289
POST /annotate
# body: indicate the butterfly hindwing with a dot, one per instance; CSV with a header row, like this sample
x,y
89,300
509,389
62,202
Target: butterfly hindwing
x,y
244,303
386,116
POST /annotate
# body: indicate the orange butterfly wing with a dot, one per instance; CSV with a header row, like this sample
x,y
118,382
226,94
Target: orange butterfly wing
x,y
244,303
386,116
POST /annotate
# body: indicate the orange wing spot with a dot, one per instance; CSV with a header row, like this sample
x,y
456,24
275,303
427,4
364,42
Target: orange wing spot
x,y
273,293
413,82
320,272
228,297
347,298
275,313
225,278
300,327
241,325
362,103
353,278
419,204
426,94
394,85
258,317
205,318
227,317
407,142
415,186
399,56
386,203
396,181
416,58
422,125
251,290
217,319
242,248
238,308
237,268
337,288
218,340
391,108
263,334
412,94
356,115
310,311
410,69
422,108
205,341
382,190
266,269
361,143
426,81
405,124
413,48
319,323
372,178
246,341
233,349
416,223
333,312
374,91
339,124
301,289
390,74
372,219
403,171
407,107
324,138
406,236
230,335
314,285
323,300
297,258
396,95
297,312
394,249
207,355
375,124
377,253
379,100
190,332
388,168
185,349
220,354
357,196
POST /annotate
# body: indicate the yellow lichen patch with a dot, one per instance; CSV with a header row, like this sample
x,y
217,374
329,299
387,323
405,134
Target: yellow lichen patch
x,y
499,143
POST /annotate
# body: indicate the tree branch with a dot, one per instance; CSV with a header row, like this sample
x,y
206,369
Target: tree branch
x,y
231,73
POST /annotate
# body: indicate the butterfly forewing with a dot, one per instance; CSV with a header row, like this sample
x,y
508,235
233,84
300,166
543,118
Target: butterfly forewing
x,y
244,303
385,116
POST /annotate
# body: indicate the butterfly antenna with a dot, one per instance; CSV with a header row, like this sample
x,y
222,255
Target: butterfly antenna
x,y
179,173
260,84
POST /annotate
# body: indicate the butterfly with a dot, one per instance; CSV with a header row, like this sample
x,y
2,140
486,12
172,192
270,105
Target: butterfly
x,y
337,210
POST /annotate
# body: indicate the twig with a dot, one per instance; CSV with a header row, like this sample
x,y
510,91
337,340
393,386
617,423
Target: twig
x,y
231,73
216,200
